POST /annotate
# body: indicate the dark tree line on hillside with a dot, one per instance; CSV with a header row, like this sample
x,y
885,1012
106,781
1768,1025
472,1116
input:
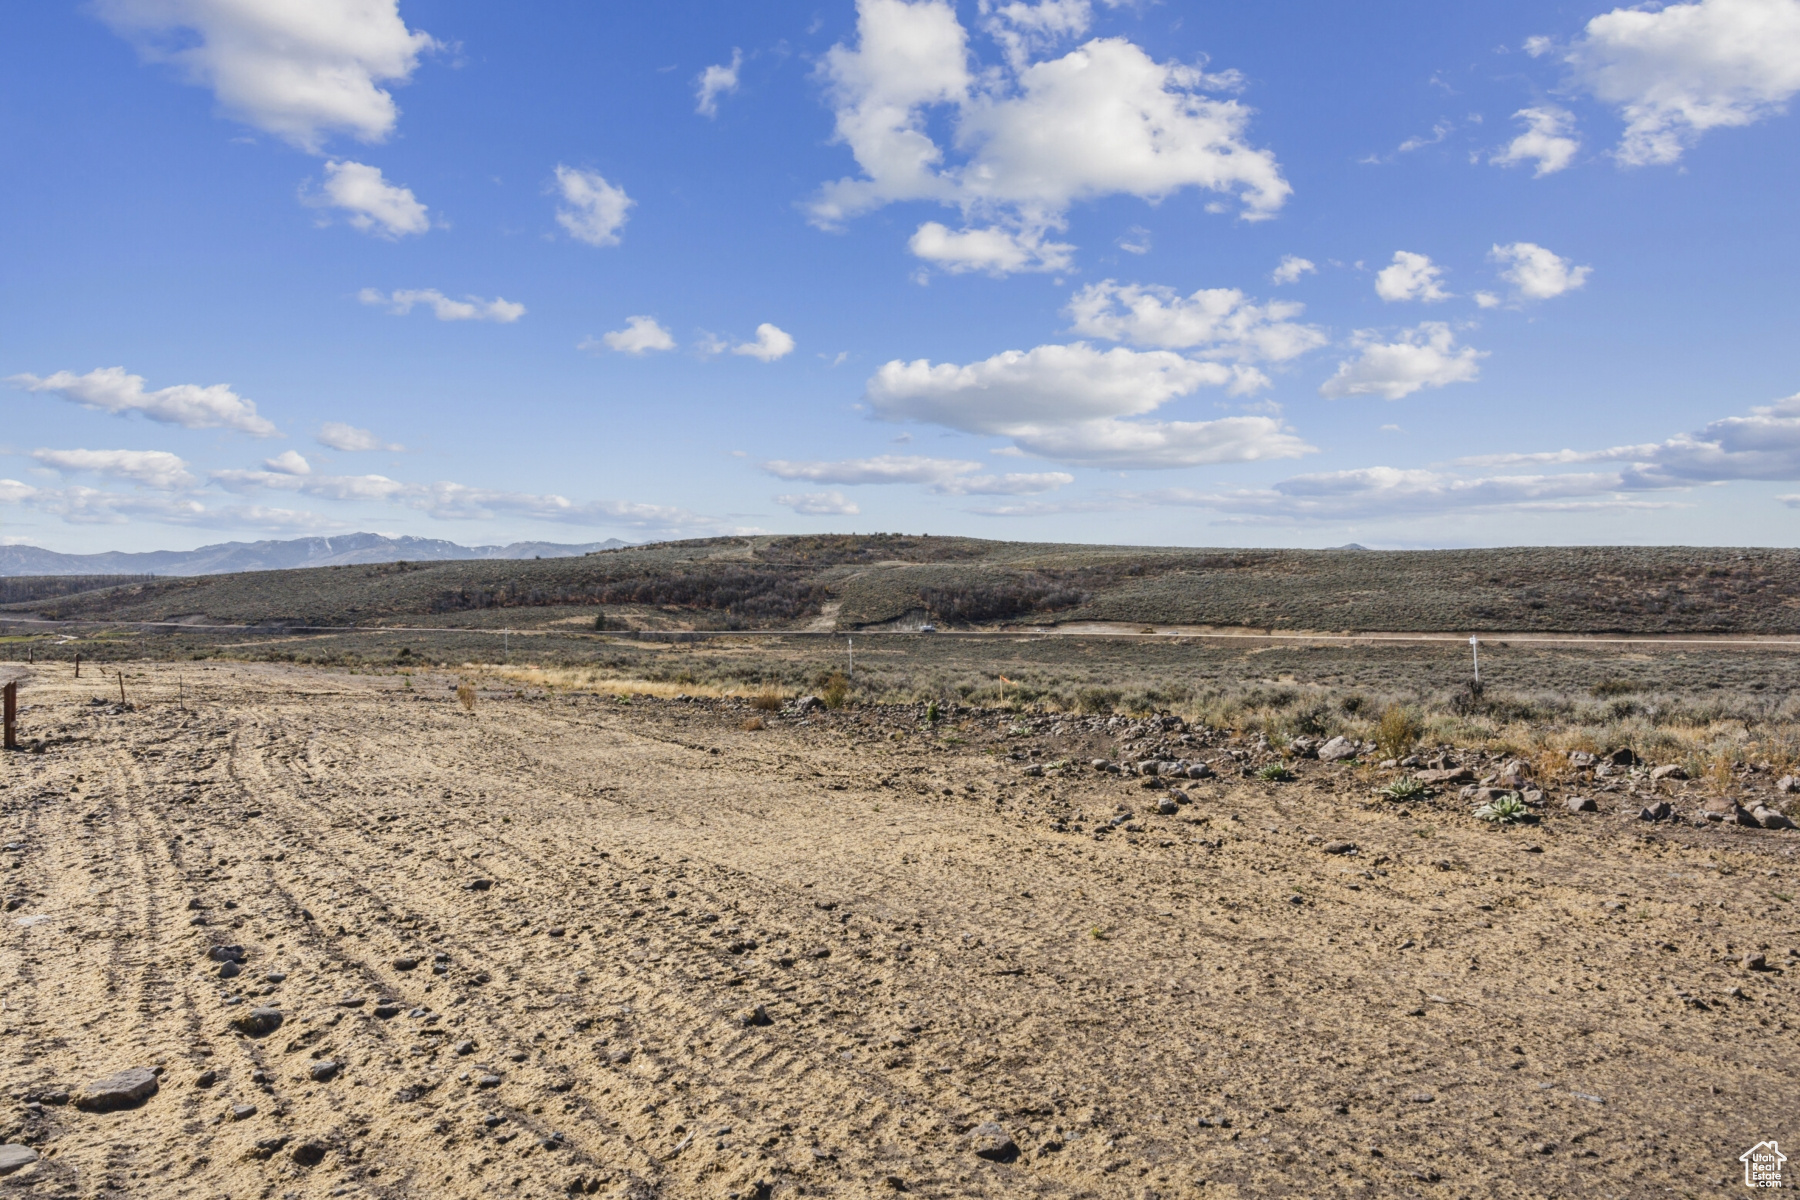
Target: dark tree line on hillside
x,y
20,589
739,592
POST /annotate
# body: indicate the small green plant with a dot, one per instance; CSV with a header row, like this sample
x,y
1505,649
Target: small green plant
x,y
931,712
1608,688
1396,733
1507,810
1099,934
1406,788
1275,773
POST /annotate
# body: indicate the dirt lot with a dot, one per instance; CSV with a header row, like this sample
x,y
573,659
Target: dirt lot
x,y
1210,1005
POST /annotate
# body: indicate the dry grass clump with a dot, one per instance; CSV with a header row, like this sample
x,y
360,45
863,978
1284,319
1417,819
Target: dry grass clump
x,y
465,695
835,692
1397,732
767,700
752,725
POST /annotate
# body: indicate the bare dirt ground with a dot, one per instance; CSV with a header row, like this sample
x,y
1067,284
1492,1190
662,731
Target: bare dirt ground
x,y
598,897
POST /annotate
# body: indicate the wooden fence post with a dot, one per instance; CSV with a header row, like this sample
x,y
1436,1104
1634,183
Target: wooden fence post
x,y
11,694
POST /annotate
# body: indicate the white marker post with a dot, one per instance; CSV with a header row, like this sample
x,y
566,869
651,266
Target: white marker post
x,y
851,642
1475,649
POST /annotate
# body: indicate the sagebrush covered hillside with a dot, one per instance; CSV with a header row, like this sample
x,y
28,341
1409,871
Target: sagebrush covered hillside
x,y
862,581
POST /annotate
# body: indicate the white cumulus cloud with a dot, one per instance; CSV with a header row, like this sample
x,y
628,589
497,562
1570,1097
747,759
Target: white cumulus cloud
x,y
299,70
1537,273
595,210
771,343
819,504
1033,137
111,389
717,80
1215,322
1549,140
948,476
469,308
1069,403
374,205
993,249
641,335
153,468
884,468
339,436
1291,268
1676,71
1426,356
1411,277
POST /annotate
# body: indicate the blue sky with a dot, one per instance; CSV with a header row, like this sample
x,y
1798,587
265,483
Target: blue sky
x,y
1075,270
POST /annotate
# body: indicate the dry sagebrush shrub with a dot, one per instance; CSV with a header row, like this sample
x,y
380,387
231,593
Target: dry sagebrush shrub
x,y
767,700
465,694
752,725
1397,732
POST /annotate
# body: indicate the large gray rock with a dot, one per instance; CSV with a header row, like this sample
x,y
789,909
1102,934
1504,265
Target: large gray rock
x,y
126,1088
1788,784
1338,749
993,1143
1768,818
12,1157
258,1021
1669,771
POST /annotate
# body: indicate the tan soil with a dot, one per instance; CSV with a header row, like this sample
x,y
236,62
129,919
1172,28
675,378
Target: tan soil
x,y
1444,1016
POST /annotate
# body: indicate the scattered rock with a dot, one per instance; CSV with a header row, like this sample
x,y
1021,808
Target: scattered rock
x,y
478,885
1199,771
1034,770
1623,758
1422,1098
755,1015
309,1153
1660,811
13,1157
1581,804
1768,818
1338,749
387,1008
807,704
206,1079
1788,784
229,970
1340,847
242,1112
488,1081
220,954
405,963
993,1143
324,1071
1755,962
1446,775
1581,758
122,1090
1669,771
465,1047
1168,806
258,1021
351,1002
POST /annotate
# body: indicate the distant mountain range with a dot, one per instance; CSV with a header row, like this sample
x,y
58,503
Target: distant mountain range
x,y
228,557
